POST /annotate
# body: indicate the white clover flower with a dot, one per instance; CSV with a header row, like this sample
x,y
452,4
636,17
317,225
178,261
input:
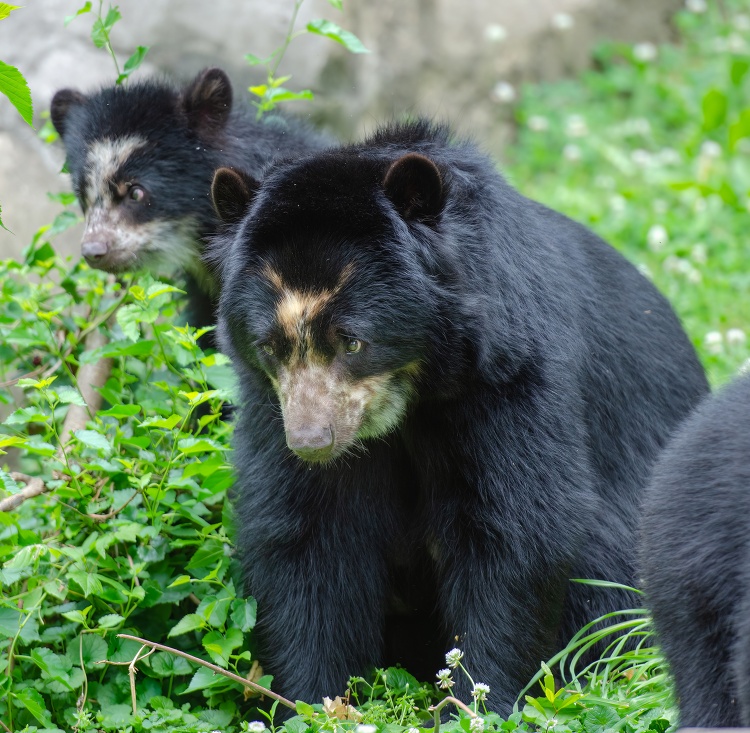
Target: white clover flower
x,y
537,123
696,6
713,342
445,682
711,149
644,52
694,276
736,43
562,21
495,32
642,157
480,691
672,263
256,726
736,337
617,203
575,126
476,725
571,152
668,156
699,253
453,658
503,92
413,730
364,728
657,237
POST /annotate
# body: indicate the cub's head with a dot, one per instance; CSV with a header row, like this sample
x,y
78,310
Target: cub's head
x,y
318,295
141,163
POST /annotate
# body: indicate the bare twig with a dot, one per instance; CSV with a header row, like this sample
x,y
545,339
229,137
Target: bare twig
x,y
114,512
90,378
214,667
435,709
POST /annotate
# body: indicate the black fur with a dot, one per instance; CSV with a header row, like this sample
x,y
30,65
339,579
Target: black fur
x,y
190,131
551,373
696,567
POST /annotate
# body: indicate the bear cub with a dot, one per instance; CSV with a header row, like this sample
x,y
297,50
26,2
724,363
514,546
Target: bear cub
x,y
142,157
451,399
696,560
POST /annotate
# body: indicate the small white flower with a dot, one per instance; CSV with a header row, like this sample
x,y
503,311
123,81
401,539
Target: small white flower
x,y
480,691
572,152
503,92
363,728
644,52
736,337
575,126
495,32
476,725
413,730
711,149
657,237
669,156
604,181
537,123
453,658
696,6
444,679
736,43
699,253
660,206
256,726
641,157
713,342
562,21
617,203
742,22
694,276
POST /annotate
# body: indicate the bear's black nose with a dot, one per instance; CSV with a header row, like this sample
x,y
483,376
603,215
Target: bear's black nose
x,y
311,443
94,250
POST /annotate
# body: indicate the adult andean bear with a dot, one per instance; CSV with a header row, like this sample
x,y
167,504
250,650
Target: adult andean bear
x,y
141,159
474,387
696,559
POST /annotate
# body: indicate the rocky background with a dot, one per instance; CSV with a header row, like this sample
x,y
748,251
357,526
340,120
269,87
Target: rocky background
x,y
459,60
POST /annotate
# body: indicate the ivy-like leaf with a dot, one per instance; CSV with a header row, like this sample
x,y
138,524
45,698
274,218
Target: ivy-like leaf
x,y
329,29
132,63
101,28
34,703
95,440
14,86
191,622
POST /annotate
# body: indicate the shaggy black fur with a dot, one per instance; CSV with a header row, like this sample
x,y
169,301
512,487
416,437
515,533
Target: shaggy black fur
x,y
549,375
696,566
188,132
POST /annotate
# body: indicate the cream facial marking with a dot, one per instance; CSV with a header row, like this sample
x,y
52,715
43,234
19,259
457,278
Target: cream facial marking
x,y
104,159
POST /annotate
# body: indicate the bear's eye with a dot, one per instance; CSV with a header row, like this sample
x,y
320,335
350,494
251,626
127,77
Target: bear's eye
x,y
352,345
267,348
136,194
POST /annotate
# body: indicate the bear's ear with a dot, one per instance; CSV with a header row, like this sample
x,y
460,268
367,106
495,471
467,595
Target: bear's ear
x,y
207,100
231,192
63,101
414,184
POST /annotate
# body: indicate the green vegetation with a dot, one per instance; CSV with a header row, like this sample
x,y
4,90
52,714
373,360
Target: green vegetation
x,y
114,519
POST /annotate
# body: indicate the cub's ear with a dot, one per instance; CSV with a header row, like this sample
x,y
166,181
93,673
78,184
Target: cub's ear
x,y
414,184
63,101
207,100
231,192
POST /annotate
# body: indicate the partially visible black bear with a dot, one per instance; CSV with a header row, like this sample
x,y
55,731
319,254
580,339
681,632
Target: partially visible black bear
x,y
142,157
475,388
696,559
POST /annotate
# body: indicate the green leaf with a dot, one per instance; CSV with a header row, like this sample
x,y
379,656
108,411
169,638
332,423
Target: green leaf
x,y
2,226
714,108
132,63
70,396
164,664
207,555
202,679
34,703
88,582
66,198
92,439
739,69
110,621
336,33
338,4
85,8
168,423
6,10
10,621
128,318
120,411
220,647
244,613
14,86
191,622
199,445
100,30
304,708
89,647
253,60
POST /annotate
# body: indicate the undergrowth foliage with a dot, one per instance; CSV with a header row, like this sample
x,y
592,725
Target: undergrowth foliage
x,y
113,501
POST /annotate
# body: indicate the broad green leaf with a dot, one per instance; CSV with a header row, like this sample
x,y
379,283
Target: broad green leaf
x,y
10,621
253,60
167,423
180,581
191,622
220,647
165,664
92,439
26,415
110,621
66,198
199,445
202,679
244,613
34,703
133,63
89,647
120,411
88,582
70,396
207,555
100,30
14,86
6,10
714,107
128,317
63,221
336,33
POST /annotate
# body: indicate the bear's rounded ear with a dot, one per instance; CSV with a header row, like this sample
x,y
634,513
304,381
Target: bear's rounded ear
x,y
414,184
231,192
63,101
207,100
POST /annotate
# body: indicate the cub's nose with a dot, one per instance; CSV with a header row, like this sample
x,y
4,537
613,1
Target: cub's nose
x,y
314,443
94,250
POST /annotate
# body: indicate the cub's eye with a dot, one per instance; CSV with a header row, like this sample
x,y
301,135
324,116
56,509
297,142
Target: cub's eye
x,y
268,349
136,194
352,345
